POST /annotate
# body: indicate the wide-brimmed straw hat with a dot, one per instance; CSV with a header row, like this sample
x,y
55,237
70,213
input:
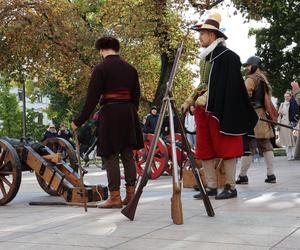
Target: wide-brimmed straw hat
x,y
212,24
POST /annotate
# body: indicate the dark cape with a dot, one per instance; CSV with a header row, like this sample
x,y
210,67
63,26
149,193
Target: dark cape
x,y
228,99
119,125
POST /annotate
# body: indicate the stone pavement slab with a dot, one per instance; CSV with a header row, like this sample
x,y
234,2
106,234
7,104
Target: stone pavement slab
x,y
264,216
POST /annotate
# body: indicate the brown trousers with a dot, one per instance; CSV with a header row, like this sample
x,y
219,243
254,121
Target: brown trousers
x,y
113,169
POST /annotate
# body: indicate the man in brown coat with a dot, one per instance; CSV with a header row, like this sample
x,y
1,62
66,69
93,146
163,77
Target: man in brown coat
x,y
258,86
115,83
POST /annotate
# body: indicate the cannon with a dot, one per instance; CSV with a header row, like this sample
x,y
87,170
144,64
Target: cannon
x,y
55,165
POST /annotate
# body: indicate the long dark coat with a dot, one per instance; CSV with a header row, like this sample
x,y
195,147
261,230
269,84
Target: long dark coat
x,y
119,125
228,99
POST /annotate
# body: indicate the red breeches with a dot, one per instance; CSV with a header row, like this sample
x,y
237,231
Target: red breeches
x,y
210,143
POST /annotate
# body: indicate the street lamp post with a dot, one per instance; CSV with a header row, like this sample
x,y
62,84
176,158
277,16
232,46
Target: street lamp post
x,y
24,129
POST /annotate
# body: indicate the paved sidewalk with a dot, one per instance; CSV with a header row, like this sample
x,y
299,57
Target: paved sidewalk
x,y
264,216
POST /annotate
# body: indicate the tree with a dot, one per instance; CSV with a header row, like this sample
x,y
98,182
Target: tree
x,y
54,39
41,38
278,44
35,129
10,113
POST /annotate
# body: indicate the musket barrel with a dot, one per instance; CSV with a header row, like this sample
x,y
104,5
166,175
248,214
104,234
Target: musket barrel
x,y
279,124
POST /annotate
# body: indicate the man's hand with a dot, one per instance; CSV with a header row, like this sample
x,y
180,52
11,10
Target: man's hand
x,y
201,100
187,103
184,107
73,126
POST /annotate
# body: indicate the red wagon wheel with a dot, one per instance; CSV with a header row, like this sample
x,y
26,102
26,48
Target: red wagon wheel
x,y
160,159
10,172
181,156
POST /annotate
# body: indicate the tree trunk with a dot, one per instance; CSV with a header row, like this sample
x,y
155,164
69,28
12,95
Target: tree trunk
x,y
166,67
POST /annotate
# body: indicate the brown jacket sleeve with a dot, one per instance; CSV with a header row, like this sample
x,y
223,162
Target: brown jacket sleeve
x,y
95,89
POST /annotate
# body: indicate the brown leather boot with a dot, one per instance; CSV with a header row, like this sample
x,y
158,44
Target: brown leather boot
x,y
129,194
114,201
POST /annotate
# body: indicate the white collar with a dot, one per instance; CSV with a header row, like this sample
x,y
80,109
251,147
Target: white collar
x,y
211,47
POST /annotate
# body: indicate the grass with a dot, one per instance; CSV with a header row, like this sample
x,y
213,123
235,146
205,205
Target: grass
x,y
279,152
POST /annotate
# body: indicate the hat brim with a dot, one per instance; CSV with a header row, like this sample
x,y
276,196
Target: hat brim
x,y
201,27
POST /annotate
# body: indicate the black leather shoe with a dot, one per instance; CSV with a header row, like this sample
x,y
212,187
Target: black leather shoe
x,y
196,187
209,192
242,180
270,179
227,193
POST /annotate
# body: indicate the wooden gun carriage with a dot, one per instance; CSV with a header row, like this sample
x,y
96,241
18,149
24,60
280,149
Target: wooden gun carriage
x,y
55,165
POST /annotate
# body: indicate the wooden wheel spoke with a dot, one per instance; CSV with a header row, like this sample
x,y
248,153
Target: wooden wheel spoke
x,y
54,147
6,181
65,157
140,153
141,161
59,149
157,151
6,173
2,188
153,168
5,165
157,159
2,156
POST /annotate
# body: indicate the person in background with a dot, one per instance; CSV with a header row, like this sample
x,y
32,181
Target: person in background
x,y
258,86
296,91
64,132
190,126
287,111
151,121
50,132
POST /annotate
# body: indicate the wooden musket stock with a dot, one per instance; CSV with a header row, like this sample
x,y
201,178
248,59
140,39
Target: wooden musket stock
x,y
80,171
176,206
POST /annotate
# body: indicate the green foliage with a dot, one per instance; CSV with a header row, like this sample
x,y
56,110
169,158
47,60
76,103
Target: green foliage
x,y
35,129
278,44
10,113
54,39
59,108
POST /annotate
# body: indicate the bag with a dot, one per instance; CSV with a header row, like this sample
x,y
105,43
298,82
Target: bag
x,y
271,110
189,180
188,177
